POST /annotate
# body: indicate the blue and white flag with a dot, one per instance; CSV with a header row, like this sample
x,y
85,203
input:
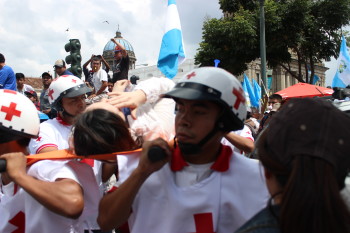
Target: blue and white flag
x,y
246,94
172,52
342,77
250,90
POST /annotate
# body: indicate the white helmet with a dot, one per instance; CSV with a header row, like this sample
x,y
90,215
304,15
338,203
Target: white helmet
x,y
65,86
18,116
218,85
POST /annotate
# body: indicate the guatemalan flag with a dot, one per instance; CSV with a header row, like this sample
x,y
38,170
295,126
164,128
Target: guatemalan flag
x,y
342,77
172,50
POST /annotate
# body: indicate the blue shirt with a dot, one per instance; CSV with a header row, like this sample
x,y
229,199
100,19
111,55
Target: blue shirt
x,y
67,72
7,78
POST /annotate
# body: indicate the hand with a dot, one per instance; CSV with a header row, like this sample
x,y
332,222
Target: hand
x,y
145,165
121,85
16,164
46,111
92,96
127,99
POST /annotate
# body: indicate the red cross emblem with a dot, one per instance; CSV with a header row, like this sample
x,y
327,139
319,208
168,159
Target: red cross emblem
x,y
38,139
240,97
10,111
50,93
10,91
191,75
74,81
204,223
19,221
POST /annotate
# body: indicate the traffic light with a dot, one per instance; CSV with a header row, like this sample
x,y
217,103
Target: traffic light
x,y
75,57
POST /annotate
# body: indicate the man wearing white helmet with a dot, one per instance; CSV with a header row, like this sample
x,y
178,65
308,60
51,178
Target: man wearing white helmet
x,y
34,199
67,96
200,185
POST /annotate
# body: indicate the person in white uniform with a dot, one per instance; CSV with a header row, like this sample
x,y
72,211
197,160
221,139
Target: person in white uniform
x,y
46,197
200,184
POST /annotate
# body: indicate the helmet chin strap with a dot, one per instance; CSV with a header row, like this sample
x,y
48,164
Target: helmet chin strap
x,y
191,148
67,114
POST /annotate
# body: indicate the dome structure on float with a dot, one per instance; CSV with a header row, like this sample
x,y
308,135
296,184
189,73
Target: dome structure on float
x,y
108,51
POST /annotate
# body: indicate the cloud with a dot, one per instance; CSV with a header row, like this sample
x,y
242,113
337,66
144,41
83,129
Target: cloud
x,y
33,33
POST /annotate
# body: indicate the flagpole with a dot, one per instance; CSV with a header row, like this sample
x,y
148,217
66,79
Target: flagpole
x,y
262,45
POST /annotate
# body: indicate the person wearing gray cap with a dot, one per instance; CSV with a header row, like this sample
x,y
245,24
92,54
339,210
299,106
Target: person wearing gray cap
x,y
45,105
305,154
60,68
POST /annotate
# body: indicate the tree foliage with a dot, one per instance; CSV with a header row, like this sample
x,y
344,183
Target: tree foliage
x,y
307,30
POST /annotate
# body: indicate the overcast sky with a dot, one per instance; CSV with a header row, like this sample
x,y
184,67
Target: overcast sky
x,y
33,33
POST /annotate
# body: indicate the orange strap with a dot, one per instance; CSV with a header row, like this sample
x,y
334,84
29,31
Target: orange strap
x,y
66,154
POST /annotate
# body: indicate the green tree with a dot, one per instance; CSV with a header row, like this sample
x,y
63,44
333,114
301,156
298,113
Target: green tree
x,y
307,30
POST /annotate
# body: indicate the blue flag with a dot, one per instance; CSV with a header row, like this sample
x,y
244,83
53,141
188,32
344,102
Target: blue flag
x,y
269,82
172,52
342,77
257,92
253,99
316,79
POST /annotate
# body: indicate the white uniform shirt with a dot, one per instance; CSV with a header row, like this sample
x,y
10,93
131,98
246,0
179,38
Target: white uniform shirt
x,y
97,79
233,193
53,133
23,213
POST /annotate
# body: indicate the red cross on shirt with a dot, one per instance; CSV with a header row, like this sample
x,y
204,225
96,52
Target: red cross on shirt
x,y
50,93
191,75
38,139
74,81
10,111
240,97
204,223
19,221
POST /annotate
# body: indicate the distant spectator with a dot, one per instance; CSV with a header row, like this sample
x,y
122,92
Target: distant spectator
x,y
45,105
33,97
7,76
99,77
274,103
89,73
121,64
60,68
110,85
21,86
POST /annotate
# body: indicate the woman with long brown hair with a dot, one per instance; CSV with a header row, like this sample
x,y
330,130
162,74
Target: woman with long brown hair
x,y
305,152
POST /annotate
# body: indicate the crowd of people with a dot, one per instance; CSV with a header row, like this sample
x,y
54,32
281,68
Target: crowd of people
x,y
220,167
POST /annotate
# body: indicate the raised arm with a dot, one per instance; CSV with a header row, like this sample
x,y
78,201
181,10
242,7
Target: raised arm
x,y
122,48
106,64
88,62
